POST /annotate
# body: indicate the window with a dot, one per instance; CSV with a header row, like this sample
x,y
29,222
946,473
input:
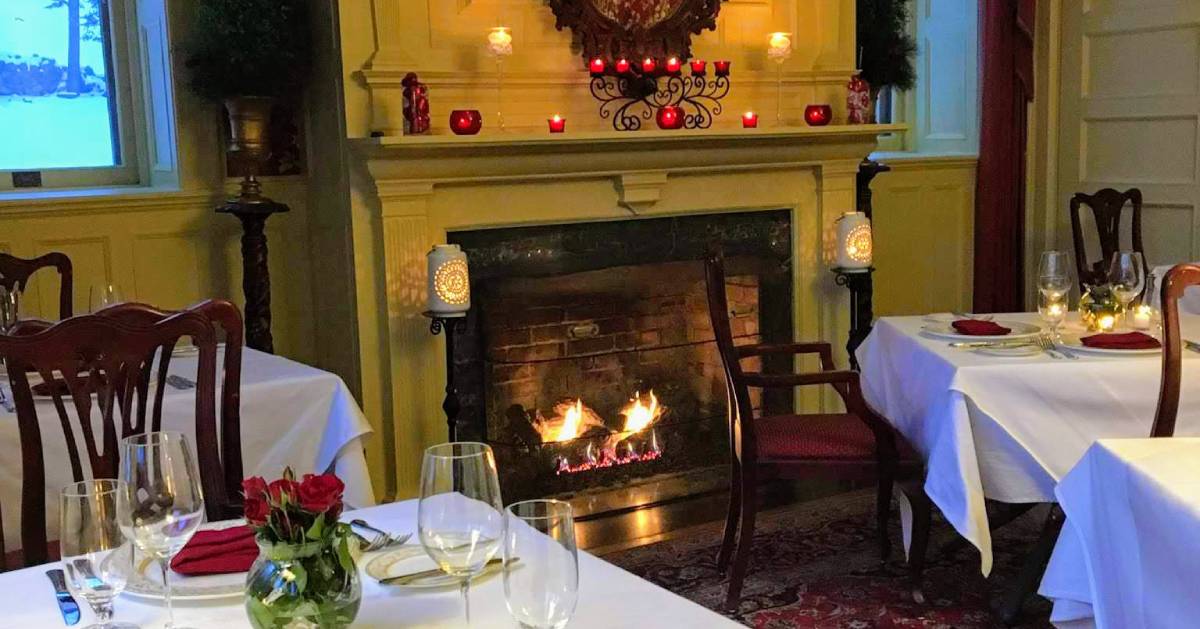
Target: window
x,y
66,93
943,109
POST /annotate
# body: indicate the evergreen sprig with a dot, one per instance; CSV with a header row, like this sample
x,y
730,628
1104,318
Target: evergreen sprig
x,y
248,48
885,45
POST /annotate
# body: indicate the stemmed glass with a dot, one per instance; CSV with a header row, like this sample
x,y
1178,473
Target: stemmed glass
x,y
1127,274
101,297
1052,310
1054,274
460,517
541,563
97,559
162,505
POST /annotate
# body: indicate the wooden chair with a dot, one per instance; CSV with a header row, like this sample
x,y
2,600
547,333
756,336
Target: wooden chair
x,y
857,444
106,360
15,272
1107,206
1178,279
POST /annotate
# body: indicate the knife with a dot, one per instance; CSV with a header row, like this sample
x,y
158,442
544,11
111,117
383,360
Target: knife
x,y
406,579
66,603
975,344
1192,345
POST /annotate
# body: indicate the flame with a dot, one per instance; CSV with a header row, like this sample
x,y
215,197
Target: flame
x,y
570,425
571,420
638,415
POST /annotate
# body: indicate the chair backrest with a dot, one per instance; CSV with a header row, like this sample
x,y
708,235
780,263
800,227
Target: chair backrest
x,y
1107,206
105,363
15,272
741,410
1177,280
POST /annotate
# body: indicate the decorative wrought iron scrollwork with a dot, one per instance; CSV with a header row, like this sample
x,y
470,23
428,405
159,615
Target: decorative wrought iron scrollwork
x,y
631,100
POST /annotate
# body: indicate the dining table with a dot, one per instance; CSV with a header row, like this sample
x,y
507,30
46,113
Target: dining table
x,y
292,415
608,597
1126,556
1008,428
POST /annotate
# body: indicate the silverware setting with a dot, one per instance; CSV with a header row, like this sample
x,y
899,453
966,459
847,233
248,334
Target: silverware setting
x,y
993,344
1192,345
406,579
7,402
66,603
1052,350
380,539
180,383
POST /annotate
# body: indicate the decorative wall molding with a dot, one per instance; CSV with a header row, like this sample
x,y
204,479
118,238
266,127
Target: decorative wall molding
x,y
637,192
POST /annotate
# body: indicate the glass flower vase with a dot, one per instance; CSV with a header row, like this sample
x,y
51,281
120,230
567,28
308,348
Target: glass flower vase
x,y
314,585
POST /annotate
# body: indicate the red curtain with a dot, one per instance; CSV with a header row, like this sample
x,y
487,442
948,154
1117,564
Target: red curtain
x,y
1006,60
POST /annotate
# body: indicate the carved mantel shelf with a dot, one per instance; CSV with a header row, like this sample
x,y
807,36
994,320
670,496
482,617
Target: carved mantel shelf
x,y
439,159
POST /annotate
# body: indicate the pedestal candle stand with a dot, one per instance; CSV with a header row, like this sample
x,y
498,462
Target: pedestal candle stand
x,y
862,312
253,210
452,324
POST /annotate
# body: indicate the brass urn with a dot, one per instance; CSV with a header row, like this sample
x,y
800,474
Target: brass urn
x,y
249,121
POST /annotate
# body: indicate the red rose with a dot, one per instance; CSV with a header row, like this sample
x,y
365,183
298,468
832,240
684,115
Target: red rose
x,y
320,493
280,488
256,510
254,487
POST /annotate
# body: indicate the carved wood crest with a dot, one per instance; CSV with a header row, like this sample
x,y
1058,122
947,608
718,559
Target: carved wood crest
x,y
635,29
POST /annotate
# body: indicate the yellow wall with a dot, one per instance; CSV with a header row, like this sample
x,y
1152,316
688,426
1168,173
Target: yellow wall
x,y
924,235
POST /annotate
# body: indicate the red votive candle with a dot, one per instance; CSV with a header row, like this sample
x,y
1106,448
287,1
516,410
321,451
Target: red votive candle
x,y
750,120
674,65
558,124
649,65
670,117
699,66
466,121
722,68
597,66
818,115
622,66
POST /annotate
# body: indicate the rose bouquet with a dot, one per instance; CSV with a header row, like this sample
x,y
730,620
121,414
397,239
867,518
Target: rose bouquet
x,y
305,574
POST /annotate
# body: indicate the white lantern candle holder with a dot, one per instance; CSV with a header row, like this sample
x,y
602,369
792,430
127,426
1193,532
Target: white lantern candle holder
x,y
449,281
855,244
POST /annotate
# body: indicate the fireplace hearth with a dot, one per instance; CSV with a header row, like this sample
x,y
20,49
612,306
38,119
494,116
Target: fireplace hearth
x,y
588,360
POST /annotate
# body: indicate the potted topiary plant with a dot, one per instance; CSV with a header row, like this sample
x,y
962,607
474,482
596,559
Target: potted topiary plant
x,y
886,49
247,54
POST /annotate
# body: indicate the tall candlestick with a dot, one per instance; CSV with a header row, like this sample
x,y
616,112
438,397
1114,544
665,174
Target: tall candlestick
x,y
779,48
500,45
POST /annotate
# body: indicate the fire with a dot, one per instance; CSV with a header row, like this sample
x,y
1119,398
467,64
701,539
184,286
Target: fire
x,y
638,416
573,419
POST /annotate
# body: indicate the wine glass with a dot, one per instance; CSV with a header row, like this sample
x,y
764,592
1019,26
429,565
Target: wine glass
x,y
1127,274
162,505
97,559
541,563
1053,310
1054,273
101,297
460,517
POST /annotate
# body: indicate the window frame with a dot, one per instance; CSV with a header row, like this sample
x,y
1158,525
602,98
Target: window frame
x,y
123,57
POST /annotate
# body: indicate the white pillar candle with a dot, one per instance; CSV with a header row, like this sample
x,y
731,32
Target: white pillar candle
x,y
1142,318
449,280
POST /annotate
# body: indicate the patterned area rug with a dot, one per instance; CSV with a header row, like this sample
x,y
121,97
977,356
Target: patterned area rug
x,y
815,565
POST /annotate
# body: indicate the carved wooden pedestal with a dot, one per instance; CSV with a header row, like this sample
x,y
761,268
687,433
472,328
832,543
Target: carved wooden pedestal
x,y
256,278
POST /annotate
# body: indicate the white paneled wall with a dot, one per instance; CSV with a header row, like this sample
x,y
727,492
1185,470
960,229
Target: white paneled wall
x,y
1130,106
946,104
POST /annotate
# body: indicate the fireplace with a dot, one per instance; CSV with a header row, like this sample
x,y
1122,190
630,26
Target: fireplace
x,y
588,360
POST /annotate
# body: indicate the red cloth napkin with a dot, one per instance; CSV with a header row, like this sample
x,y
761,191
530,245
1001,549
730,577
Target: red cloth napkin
x,y
976,327
1128,340
217,552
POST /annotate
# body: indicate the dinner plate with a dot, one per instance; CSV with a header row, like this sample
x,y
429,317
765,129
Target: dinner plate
x,y
1075,345
411,558
946,332
146,581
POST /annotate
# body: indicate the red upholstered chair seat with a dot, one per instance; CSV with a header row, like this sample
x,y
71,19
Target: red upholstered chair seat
x,y
840,437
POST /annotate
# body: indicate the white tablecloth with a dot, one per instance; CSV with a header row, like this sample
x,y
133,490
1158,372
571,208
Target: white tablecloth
x,y
292,414
608,598
1008,428
1127,556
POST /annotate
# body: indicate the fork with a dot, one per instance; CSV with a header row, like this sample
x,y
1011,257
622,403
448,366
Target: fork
x,y
382,539
1048,346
